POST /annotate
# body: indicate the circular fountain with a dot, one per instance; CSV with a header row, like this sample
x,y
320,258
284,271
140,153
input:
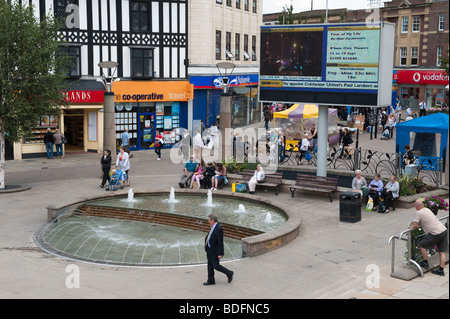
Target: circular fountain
x,y
159,228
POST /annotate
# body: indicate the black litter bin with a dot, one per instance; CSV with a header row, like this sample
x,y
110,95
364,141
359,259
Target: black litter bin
x,y
350,207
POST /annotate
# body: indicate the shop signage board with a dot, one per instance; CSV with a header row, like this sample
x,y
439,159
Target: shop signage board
x,y
85,96
153,91
332,64
429,77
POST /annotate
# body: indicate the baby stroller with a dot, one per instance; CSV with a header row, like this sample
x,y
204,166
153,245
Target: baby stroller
x,y
386,134
116,180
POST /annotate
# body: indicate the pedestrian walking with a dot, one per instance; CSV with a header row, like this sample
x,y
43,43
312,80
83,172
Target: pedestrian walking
x,y
422,108
126,142
159,143
106,166
215,250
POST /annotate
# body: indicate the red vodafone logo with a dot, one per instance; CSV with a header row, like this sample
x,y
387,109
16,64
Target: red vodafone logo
x,y
435,77
416,77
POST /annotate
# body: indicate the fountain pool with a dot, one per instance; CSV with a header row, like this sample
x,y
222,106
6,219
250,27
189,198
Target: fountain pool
x,y
154,229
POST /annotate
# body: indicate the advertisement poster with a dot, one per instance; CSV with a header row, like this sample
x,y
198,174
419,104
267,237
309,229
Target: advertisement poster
x,y
167,122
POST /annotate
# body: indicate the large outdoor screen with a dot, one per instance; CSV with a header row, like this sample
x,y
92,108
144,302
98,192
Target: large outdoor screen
x,y
330,64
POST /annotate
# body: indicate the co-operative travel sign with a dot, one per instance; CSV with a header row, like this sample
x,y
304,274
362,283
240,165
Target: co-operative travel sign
x,y
324,63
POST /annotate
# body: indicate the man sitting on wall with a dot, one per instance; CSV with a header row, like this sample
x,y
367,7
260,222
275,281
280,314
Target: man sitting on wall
x,y
189,169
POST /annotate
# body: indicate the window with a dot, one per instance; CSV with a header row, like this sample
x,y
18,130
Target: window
x,y
142,63
92,126
403,56
253,47
438,56
414,55
238,4
441,21
60,10
405,22
254,6
416,24
229,3
219,1
74,53
246,55
237,46
228,46
246,5
218,45
139,16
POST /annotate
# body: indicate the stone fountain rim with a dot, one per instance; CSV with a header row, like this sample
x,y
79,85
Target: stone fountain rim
x,y
252,246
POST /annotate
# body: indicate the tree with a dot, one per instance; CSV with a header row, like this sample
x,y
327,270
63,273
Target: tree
x,y
286,16
32,72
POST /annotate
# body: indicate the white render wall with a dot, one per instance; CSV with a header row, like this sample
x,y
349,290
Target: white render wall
x,y
206,16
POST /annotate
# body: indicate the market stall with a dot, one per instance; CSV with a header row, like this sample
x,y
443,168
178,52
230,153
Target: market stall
x,y
296,121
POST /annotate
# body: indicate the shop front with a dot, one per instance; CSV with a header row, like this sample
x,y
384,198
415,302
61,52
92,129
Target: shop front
x,y
245,106
81,123
415,86
145,107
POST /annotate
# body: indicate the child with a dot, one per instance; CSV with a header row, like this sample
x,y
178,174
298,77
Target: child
x,y
116,178
386,134
198,175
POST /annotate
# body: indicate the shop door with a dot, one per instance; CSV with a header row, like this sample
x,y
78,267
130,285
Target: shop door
x,y
146,130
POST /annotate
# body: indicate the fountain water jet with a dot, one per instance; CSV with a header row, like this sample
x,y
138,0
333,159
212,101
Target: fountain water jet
x,y
241,209
172,196
268,218
130,195
209,201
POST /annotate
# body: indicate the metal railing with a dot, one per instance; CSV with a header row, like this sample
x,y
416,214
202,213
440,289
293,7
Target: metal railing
x,y
409,247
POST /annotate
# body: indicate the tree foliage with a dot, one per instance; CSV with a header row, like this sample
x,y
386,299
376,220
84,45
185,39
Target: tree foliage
x,y
32,72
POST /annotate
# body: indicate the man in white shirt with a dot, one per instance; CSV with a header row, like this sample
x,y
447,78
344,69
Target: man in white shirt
x,y
436,234
422,108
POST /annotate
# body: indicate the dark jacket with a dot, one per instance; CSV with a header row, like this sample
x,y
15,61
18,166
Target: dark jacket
x,y
106,162
49,138
216,240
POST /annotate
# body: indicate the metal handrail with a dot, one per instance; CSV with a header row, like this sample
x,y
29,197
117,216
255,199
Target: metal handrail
x,y
409,241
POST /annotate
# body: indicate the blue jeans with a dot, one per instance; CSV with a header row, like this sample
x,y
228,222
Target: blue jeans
x,y
49,149
59,149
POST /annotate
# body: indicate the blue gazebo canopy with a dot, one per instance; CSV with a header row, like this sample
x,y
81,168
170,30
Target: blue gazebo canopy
x,y
426,129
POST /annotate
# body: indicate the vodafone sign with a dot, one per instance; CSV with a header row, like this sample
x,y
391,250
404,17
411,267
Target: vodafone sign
x,y
437,77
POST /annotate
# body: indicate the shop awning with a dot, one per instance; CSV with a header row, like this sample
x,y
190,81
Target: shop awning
x,y
300,111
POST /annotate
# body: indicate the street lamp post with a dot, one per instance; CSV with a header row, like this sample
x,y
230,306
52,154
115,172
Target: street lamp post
x,y
225,106
109,126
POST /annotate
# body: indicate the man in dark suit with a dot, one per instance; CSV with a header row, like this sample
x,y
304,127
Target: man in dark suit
x,y
215,251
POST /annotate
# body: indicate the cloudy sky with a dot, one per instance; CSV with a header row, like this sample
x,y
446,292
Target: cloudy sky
x,y
270,6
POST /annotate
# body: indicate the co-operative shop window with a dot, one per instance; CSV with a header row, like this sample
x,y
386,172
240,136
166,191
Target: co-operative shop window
x,y
141,63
